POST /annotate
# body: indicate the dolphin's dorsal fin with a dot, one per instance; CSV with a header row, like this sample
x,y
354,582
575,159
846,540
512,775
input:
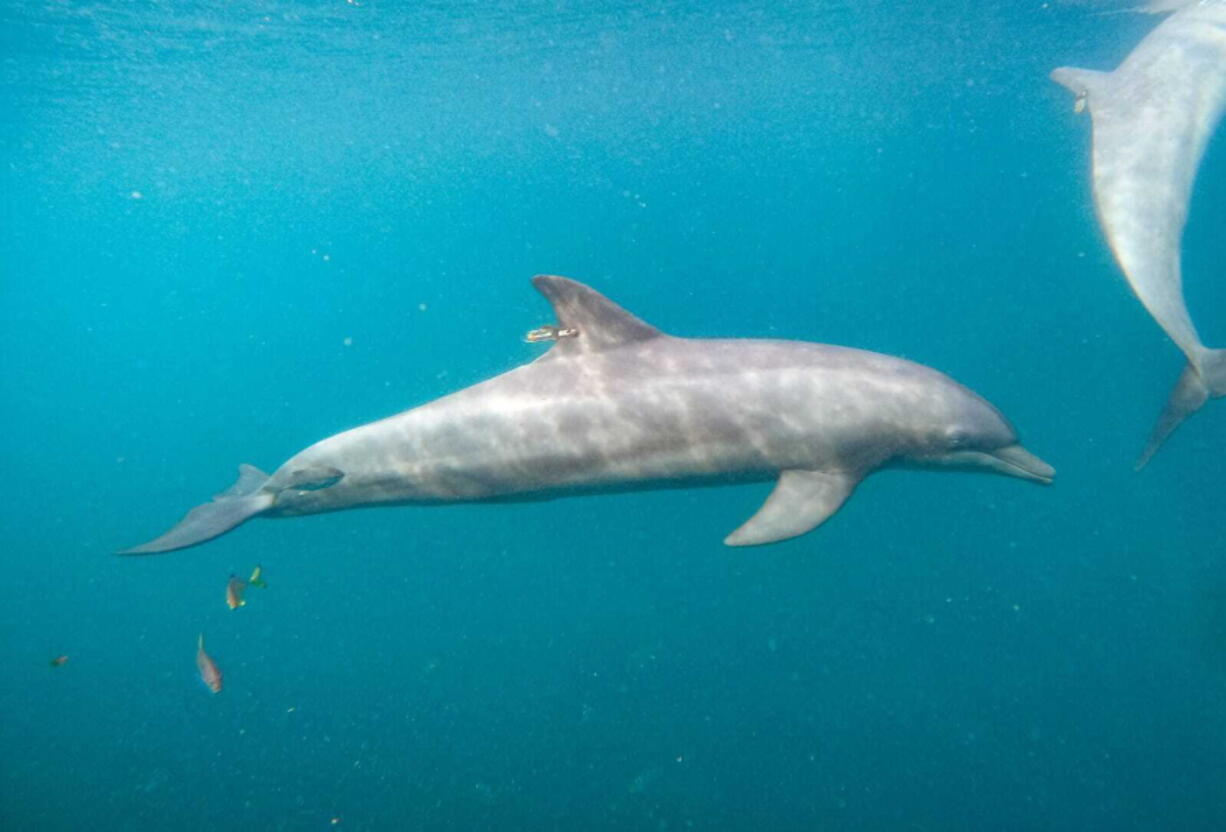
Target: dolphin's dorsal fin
x,y
1089,85
600,323
250,480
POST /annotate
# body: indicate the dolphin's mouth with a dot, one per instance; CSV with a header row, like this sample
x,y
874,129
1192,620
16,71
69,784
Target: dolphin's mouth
x,y
1016,461
1011,460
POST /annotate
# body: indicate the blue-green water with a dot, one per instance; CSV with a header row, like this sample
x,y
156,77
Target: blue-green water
x,y
232,229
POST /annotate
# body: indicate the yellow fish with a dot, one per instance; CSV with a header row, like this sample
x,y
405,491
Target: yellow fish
x,y
236,585
255,579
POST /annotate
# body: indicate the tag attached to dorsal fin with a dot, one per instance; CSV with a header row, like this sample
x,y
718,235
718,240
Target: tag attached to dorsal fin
x,y
549,332
598,323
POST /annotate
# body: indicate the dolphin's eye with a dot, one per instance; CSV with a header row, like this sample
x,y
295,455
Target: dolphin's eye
x,y
957,437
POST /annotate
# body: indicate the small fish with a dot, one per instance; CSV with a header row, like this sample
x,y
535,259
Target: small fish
x,y
236,585
210,674
234,592
255,579
59,661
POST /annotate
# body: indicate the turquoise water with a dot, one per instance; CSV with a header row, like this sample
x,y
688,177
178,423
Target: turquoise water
x,y
232,229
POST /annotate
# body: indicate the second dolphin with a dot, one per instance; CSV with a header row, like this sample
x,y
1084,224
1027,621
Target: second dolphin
x,y
1153,117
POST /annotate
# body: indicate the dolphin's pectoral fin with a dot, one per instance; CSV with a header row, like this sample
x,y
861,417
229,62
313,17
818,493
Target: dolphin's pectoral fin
x,y
314,478
801,501
238,503
598,323
1189,395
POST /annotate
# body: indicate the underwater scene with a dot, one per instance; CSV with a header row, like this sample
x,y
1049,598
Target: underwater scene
x,y
806,415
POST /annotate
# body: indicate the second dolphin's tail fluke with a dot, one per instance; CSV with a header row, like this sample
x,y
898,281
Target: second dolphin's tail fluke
x,y
240,502
1213,366
1193,389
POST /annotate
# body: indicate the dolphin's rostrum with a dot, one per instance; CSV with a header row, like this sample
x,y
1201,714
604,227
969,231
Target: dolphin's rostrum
x,y
618,404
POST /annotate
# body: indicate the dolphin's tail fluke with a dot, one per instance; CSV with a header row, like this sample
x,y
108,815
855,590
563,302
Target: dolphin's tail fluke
x,y
1213,367
241,501
1191,392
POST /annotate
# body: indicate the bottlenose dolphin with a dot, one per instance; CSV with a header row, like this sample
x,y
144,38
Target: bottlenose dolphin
x,y
617,404
1152,119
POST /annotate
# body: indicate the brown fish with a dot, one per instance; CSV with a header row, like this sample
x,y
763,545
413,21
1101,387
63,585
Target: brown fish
x,y
59,661
234,592
209,672
236,585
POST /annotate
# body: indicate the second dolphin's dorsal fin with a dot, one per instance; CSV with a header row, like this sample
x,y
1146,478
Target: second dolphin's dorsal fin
x,y
599,324
1088,85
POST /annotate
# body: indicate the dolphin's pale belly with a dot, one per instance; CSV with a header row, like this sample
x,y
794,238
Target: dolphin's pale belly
x,y
668,414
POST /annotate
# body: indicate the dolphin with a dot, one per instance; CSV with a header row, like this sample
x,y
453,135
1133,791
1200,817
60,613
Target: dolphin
x,y
617,404
1152,119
